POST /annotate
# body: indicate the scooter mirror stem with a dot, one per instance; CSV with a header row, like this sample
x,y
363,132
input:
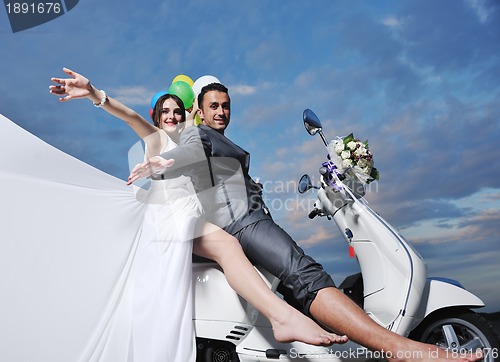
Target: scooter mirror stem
x,y
323,138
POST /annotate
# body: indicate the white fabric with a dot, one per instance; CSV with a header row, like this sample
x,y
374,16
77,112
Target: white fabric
x,y
81,277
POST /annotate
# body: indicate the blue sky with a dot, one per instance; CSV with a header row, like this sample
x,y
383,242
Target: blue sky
x,y
419,79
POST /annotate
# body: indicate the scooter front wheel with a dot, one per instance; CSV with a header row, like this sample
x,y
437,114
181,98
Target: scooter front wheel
x,y
461,332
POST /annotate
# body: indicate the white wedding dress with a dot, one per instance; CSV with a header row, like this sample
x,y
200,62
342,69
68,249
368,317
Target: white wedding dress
x,y
91,269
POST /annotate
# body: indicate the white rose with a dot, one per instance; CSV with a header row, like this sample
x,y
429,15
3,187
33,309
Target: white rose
x,y
347,163
361,151
363,163
339,147
345,154
351,145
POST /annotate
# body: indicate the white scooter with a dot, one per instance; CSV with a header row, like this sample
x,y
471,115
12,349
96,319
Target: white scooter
x,y
393,289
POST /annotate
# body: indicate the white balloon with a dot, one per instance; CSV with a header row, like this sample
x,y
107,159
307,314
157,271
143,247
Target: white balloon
x,y
203,81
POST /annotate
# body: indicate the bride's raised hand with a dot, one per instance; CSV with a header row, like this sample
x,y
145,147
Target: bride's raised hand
x,y
72,88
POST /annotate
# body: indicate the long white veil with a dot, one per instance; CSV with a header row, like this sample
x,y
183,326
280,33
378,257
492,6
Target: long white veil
x,y
68,234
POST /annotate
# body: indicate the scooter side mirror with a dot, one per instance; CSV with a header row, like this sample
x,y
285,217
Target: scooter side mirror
x,y
305,184
311,122
313,125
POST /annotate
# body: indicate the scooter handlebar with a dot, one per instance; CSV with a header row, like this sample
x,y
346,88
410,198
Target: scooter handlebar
x,y
313,213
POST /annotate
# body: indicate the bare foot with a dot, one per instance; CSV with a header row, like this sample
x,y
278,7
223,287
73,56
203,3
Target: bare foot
x,y
298,327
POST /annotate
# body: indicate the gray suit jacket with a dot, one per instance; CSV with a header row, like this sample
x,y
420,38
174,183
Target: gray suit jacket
x,y
219,171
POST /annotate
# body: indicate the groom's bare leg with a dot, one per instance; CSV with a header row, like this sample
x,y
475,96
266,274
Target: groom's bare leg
x,y
335,310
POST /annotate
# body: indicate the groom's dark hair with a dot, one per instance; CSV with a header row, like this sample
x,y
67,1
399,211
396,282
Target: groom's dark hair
x,y
211,87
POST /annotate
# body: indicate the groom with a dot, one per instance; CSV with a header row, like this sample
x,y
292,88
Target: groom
x,y
216,163
219,170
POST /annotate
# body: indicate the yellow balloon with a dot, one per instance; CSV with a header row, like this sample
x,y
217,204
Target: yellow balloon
x,y
183,78
197,120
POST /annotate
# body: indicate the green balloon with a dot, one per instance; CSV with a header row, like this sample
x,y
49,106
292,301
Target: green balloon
x,y
184,91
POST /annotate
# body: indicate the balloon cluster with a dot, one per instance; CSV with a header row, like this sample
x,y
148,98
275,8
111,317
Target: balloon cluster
x,y
187,90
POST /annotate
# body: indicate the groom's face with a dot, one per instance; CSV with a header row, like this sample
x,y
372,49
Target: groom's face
x,y
216,110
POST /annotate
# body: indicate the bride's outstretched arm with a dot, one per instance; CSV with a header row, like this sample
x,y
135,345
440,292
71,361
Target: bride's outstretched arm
x,y
77,87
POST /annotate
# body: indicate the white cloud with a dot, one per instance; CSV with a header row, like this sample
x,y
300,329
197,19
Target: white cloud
x,y
481,10
132,95
244,90
391,21
426,74
318,236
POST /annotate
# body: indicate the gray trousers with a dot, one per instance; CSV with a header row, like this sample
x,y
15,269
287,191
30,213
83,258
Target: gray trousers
x,y
268,245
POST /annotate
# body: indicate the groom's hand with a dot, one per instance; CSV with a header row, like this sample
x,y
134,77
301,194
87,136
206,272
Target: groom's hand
x,y
154,165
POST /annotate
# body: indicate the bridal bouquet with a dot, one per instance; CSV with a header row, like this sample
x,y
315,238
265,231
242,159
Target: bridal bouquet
x,y
353,159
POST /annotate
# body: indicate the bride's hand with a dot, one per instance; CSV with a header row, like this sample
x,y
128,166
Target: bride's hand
x,y
75,87
154,165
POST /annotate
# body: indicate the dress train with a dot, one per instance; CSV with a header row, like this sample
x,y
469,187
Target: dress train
x,y
86,273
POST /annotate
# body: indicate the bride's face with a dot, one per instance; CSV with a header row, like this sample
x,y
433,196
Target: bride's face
x,y
171,117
